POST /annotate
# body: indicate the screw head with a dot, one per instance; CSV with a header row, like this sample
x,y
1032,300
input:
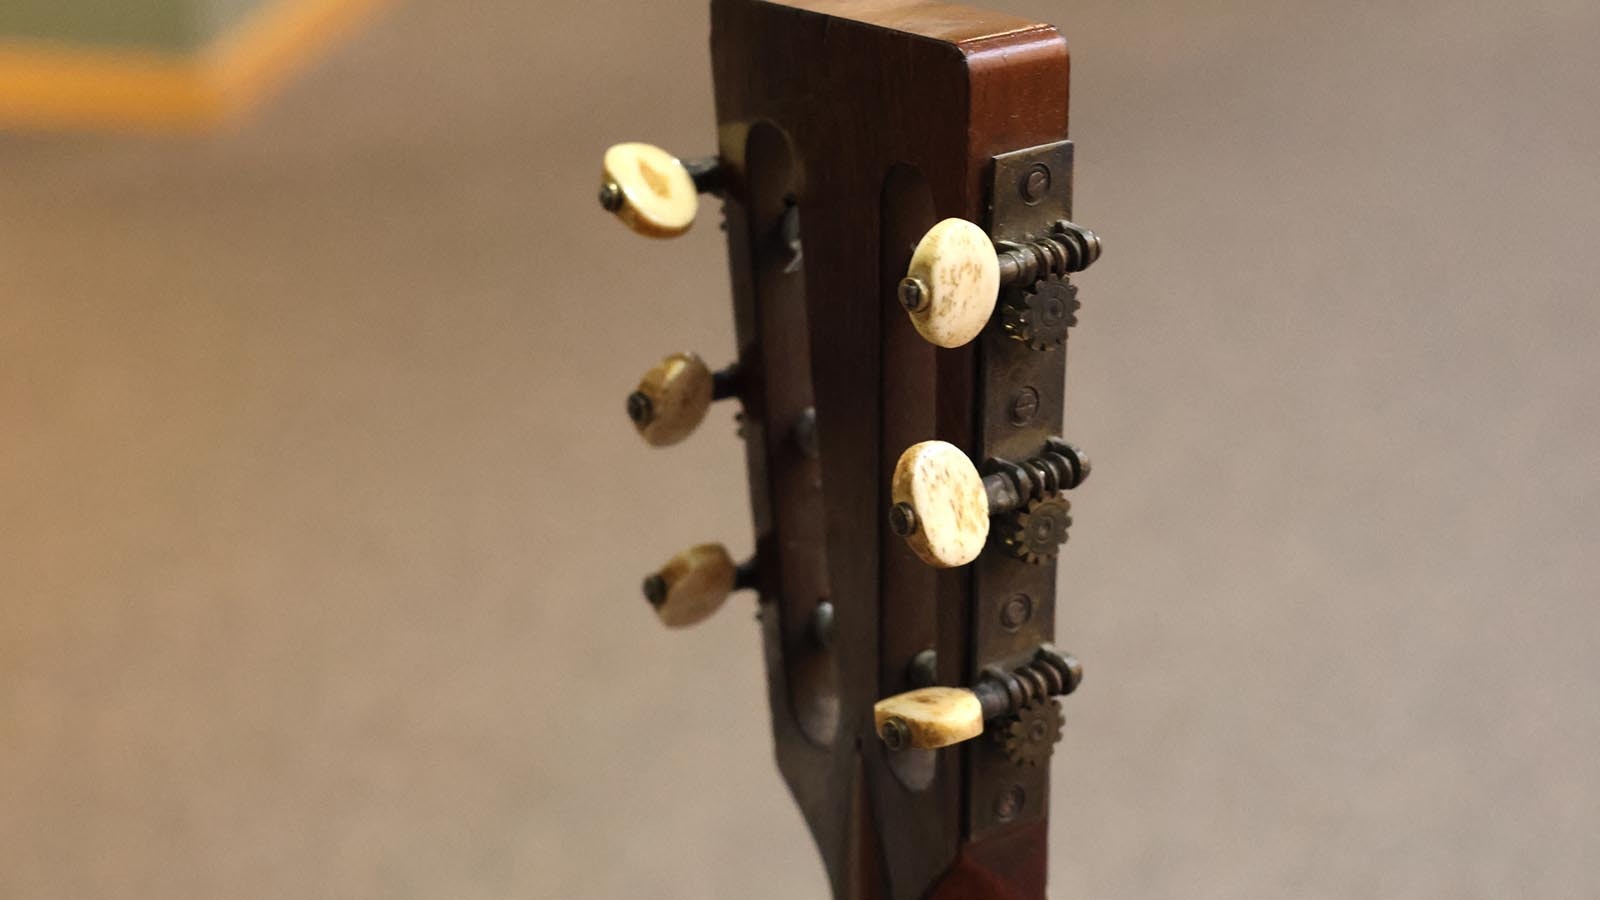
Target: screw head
x,y
640,409
611,198
913,294
655,590
1016,612
895,733
1009,804
1036,183
1024,406
903,519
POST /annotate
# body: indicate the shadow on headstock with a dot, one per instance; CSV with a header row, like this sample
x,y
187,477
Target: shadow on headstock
x,y
897,189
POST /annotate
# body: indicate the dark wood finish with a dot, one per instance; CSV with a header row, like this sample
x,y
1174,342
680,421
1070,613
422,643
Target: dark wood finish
x,y
876,119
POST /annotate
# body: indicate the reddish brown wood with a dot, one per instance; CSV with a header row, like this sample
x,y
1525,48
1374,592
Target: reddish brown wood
x,y
877,117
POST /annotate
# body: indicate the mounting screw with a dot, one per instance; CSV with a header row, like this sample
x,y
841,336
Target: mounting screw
x,y
1016,612
1024,406
1008,805
1036,183
611,196
895,734
913,294
902,519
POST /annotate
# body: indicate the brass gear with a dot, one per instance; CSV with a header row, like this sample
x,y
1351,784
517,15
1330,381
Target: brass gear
x,y
1041,315
1030,736
1039,530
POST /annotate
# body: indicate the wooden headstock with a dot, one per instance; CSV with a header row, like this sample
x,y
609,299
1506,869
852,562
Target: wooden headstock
x,y
902,379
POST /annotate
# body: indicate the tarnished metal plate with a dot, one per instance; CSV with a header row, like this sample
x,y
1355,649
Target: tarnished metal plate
x,y
1021,399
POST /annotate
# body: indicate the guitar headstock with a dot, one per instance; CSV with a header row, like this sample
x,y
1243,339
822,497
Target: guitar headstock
x,y
897,186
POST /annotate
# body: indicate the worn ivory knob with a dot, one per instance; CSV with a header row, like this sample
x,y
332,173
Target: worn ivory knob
x,y
672,399
928,718
953,282
649,189
692,585
940,505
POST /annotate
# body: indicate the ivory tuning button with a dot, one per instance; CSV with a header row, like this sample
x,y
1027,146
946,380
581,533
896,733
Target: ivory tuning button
x,y
651,191
695,583
942,505
672,398
933,717
953,283
928,718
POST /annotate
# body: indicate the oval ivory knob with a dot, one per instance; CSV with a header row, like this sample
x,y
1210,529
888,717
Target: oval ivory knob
x,y
649,189
953,282
672,399
940,505
692,585
928,718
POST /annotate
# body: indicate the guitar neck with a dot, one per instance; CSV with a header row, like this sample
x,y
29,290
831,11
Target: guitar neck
x,y
920,99
897,185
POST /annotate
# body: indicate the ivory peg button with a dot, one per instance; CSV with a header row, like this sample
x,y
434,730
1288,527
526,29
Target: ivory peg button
x,y
676,393
654,193
949,507
692,585
929,718
956,278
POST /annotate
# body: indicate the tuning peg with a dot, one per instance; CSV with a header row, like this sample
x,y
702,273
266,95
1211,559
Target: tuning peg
x,y
695,583
652,191
672,398
942,505
951,288
933,717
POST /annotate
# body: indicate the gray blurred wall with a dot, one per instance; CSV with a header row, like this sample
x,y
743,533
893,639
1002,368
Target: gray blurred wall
x,y
303,592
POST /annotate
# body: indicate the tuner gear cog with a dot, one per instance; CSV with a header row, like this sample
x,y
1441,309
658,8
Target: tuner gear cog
x,y
1030,736
1041,315
1039,531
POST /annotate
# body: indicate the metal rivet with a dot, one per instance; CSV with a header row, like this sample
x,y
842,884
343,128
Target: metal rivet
x,y
1008,805
655,590
924,669
1035,183
1016,612
896,735
1024,406
611,196
640,409
913,294
903,519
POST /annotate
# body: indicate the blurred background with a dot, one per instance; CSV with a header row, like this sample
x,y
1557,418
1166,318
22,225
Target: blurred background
x,y
321,527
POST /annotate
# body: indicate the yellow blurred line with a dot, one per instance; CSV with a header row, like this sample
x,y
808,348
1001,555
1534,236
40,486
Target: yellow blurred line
x,y
56,86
